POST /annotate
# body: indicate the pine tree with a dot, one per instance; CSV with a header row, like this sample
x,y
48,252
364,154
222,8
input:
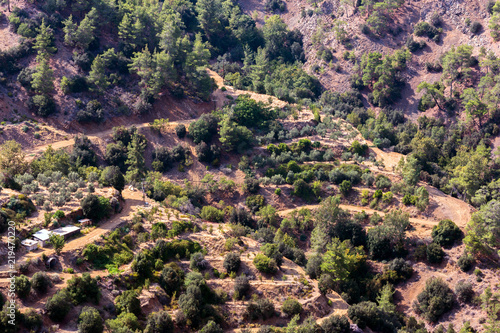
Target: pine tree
x,y
45,40
69,31
153,69
125,29
43,78
135,159
198,57
97,75
85,33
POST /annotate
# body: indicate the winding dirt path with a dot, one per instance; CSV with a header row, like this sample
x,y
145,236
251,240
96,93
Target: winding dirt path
x,y
32,153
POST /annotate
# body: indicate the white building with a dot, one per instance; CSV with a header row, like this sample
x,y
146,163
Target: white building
x,y
30,244
42,236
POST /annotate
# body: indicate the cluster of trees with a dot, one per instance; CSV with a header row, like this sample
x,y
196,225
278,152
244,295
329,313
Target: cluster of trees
x,y
382,75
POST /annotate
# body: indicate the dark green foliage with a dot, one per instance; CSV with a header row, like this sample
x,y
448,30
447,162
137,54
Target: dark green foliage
x,y
368,314
325,283
93,112
446,233
83,288
32,320
241,216
159,322
435,300
262,308
83,154
313,267
251,185
241,286
203,129
197,261
128,301
465,262
143,263
402,268
42,105
435,253
211,214
358,148
248,112
40,282
464,291
90,321
25,78
425,29
275,5
291,307
112,176
172,279
382,182
23,286
336,324
95,207
255,202
345,187
116,155
476,27
232,262
166,250
181,131
58,306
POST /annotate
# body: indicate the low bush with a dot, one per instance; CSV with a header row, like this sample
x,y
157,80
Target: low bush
x,y
465,262
232,262
464,291
435,253
446,233
291,307
435,300
265,264
212,214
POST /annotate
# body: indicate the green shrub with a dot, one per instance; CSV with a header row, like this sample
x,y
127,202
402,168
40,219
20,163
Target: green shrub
x,y
40,282
345,187
241,286
336,324
265,264
465,262
435,253
291,307
464,291
212,214
90,321
446,233
58,306
128,301
197,261
23,286
159,322
211,327
232,262
435,300
262,308
32,320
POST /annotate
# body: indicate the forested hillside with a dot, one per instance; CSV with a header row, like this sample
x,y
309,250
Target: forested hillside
x,y
250,166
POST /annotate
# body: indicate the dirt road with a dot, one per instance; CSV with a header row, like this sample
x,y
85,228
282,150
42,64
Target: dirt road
x,y
32,153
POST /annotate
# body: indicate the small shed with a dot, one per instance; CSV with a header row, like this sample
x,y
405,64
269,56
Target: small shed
x,y
42,236
85,222
30,244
